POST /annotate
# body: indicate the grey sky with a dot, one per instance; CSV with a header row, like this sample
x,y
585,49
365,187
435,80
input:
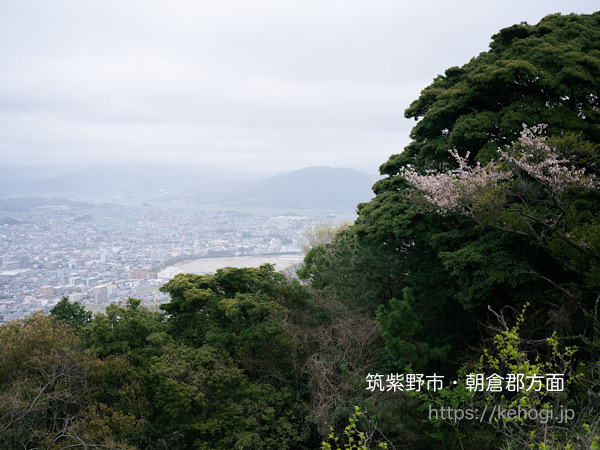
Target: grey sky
x,y
272,85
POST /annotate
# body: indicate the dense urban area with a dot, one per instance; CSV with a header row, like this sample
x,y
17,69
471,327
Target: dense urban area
x,y
106,254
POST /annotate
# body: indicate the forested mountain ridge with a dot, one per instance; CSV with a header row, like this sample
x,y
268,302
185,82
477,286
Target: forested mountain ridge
x,y
476,265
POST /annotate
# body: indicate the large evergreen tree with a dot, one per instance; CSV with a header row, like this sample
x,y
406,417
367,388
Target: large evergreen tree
x,y
523,243
545,73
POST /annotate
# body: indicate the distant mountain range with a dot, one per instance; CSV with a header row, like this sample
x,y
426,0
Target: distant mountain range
x,y
319,187
313,187
27,203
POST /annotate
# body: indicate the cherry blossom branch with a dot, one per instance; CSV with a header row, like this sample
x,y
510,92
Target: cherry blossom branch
x,y
449,190
472,190
535,157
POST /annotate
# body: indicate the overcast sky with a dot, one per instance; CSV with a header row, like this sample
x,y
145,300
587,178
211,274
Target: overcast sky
x,y
257,84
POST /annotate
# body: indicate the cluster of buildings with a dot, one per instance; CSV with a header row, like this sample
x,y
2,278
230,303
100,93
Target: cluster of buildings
x,y
108,253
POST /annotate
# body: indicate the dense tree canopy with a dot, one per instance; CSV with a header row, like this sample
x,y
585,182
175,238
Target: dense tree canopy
x,y
520,227
545,73
73,314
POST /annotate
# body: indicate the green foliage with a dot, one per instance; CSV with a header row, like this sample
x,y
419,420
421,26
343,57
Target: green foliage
x,y
439,410
544,73
39,376
488,267
311,259
72,314
399,325
524,242
321,234
214,373
513,354
454,267
48,390
132,331
352,438
241,311
532,412
360,276
202,400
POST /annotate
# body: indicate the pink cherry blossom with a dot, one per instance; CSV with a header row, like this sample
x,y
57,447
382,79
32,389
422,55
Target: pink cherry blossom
x,y
462,189
543,163
457,189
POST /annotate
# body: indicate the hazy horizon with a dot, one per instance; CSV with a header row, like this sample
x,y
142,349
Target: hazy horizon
x,y
63,169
